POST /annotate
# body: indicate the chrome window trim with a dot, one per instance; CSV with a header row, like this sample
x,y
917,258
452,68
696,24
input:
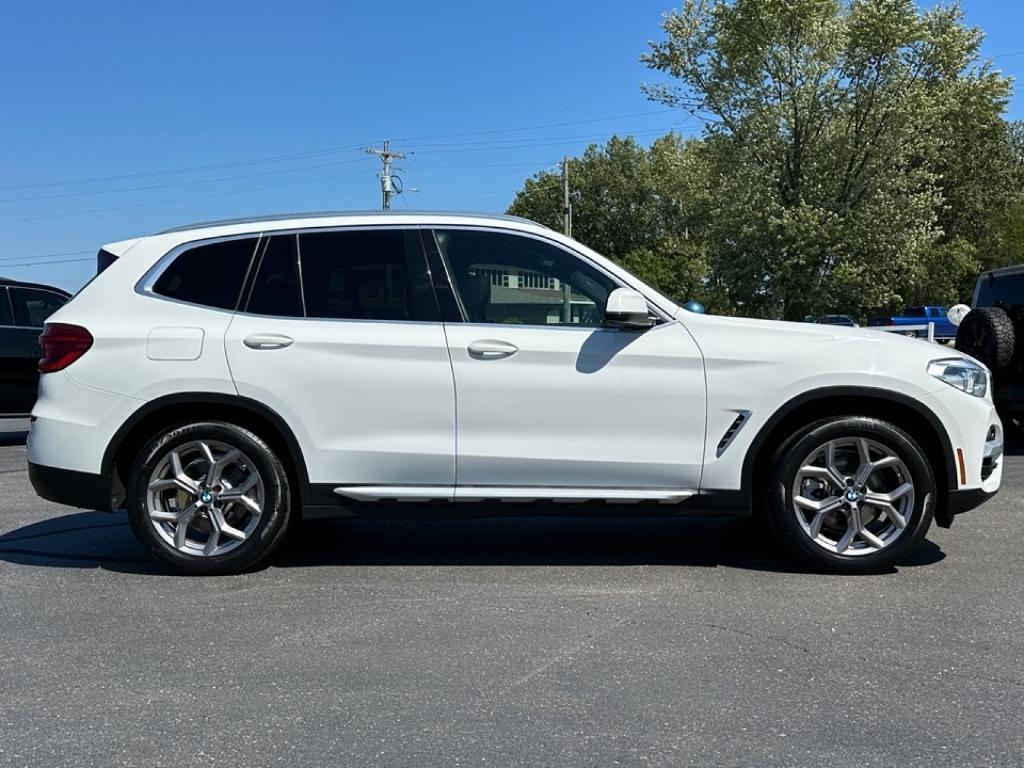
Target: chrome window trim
x,y
144,285
662,316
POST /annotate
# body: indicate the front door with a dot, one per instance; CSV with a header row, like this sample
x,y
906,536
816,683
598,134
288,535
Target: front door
x,y
340,336
548,397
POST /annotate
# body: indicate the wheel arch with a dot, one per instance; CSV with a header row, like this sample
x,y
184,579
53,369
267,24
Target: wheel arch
x,y
184,407
901,410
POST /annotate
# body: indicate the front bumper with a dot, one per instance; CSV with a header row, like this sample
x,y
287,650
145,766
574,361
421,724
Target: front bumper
x,y
70,487
976,440
964,501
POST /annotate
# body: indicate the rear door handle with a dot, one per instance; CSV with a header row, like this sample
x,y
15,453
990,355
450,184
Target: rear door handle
x,y
267,341
490,349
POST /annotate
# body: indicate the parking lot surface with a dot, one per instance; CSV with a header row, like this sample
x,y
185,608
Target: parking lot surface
x,y
680,642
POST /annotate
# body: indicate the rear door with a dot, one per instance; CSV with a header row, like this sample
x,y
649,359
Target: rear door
x,y
340,335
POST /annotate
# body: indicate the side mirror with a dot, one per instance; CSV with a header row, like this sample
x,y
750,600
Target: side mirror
x,y
627,308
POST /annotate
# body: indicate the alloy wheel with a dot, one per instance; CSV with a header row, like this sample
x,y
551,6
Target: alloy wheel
x,y
205,498
853,496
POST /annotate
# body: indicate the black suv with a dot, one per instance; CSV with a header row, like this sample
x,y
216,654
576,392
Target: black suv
x,y
24,308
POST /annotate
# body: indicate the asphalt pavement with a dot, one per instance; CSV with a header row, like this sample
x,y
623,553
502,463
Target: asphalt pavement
x,y
680,642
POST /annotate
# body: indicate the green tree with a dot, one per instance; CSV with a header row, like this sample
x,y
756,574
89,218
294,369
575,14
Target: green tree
x,y
846,145
643,207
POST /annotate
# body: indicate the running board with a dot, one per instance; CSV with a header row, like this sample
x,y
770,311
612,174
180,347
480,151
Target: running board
x,y
513,494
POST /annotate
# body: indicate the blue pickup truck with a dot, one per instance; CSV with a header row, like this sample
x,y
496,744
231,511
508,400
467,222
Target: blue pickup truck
x,y
944,330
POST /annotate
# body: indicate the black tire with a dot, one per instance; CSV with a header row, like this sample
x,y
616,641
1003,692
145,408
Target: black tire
x,y
987,334
782,515
270,528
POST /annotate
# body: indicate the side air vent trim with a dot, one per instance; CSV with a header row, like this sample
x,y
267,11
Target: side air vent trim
x,y
730,434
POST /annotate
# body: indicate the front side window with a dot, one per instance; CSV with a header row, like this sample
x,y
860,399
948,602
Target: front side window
x,y
365,275
32,306
539,284
211,275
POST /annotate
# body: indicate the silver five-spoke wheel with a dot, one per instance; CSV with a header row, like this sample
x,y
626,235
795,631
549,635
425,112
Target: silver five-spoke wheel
x,y
204,498
853,496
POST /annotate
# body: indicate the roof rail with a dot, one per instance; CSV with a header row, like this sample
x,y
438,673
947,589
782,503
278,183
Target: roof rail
x,y
341,214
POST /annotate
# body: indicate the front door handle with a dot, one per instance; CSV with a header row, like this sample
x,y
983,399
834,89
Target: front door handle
x,y
267,341
489,349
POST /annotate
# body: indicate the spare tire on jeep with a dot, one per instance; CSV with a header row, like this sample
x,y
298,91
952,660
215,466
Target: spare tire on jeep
x,y
987,334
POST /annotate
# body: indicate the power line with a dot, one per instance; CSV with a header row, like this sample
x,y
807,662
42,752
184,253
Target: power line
x,y
310,153
45,256
408,139
42,264
177,199
180,171
180,183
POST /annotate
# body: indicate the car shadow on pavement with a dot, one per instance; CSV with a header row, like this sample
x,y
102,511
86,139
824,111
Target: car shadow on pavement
x,y
101,540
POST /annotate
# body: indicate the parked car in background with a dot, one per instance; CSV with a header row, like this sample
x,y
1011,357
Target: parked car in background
x,y
24,309
993,332
220,387
944,330
844,320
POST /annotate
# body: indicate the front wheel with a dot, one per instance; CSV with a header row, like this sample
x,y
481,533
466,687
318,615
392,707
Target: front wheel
x,y
851,494
209,498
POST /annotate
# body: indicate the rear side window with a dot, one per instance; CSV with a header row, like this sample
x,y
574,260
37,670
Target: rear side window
x,y
915,312
1004,290
365,275
6,318
275,291
32,307
211,275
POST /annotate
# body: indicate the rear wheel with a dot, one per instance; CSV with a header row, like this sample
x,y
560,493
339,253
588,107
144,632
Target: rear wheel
x,y
851,494
209,498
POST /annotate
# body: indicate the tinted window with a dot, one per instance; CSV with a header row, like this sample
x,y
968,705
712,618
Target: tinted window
x,y
103,260
503,278
1005,290
275,290
914,312
365,275
6,318
211,275
32,306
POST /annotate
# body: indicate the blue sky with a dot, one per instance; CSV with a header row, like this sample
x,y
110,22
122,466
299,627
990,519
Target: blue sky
x,y
207,110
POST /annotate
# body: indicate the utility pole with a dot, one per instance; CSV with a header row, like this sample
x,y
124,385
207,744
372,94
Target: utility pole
x,y
387,179
567,227
566,205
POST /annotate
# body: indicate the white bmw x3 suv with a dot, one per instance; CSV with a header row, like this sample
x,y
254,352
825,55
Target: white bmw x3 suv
x,y
224,380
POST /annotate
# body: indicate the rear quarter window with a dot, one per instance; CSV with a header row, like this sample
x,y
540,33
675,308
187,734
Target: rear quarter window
x,y
211,275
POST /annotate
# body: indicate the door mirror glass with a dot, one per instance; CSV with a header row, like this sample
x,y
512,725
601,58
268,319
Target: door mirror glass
x,y
627,308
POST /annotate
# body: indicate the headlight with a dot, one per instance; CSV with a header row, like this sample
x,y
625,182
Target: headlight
x,y
961,373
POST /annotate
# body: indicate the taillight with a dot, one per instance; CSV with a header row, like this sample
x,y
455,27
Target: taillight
x,y
62,344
